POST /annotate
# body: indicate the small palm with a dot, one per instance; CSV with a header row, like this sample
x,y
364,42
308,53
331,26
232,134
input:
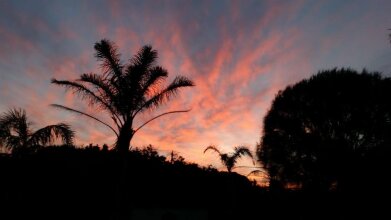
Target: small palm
x,y
230,160
15,132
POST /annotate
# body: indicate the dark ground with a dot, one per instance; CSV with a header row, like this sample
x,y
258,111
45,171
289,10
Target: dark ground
x,y
68,183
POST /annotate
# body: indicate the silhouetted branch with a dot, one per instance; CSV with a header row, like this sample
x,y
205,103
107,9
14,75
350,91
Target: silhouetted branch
x,y
158,117
45,135
85,114
212,147
256,172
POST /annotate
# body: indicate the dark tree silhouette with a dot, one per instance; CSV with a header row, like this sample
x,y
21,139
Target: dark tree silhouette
x,y
124,91
323,132
16,135
230,160
175,157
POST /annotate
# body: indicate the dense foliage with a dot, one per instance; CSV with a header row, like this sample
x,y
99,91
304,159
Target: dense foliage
x,y
330,132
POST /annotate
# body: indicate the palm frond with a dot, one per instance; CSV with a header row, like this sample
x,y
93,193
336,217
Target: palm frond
x,y
158,116
155,77
12,117
10,142
84,93
167,93
3,135
107,93
13,142
256,173
7,140
144,59
14,120
107,53
97,81
178,82
49,133
85,114
242,151
212,147
137,74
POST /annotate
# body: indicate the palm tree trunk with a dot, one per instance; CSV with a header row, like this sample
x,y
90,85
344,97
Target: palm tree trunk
x,y
124,138
122,194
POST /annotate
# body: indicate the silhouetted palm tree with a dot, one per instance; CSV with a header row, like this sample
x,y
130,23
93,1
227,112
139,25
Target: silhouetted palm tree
x,y
15,132
124,91
229,160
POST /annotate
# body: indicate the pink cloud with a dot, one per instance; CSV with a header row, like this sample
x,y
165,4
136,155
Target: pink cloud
x,y
15,43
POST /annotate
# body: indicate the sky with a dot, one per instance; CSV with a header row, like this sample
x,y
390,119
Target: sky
x,y
238,53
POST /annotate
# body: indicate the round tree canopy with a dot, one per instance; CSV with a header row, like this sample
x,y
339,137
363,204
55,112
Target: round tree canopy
x,y
327,131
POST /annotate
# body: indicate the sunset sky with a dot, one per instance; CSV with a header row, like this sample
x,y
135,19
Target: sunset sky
x,y
239,54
